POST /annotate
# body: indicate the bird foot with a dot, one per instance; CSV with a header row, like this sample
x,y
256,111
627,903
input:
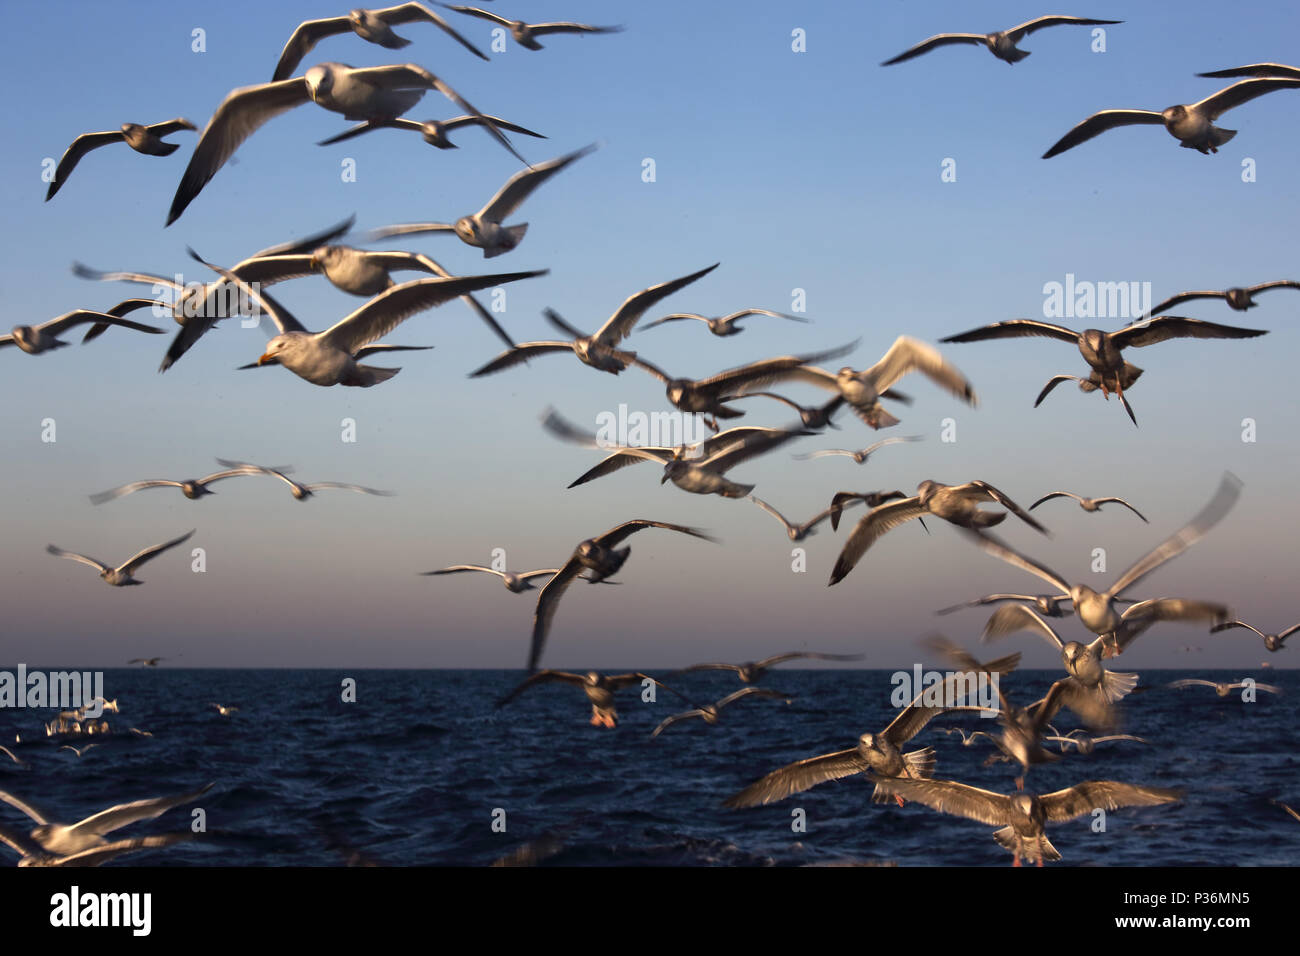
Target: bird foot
x,y
1015,861
1020,783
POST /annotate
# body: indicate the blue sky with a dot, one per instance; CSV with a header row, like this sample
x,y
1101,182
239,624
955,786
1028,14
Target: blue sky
x,y
817,170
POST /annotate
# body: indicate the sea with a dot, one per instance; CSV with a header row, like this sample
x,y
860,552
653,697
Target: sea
x,y
420,767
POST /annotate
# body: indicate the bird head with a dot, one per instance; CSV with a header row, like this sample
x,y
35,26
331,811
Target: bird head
x,y
320,80
926,491
592,678
1173,114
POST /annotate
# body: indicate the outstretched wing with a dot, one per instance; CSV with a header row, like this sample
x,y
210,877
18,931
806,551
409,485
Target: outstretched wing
x,y
1090,795
1165,327
799,776
949,796
80,147
879,521
1243,92
150,553
303,40
619,325
541,677
1098,123
521,185
114,818
909,355
615,535
938,40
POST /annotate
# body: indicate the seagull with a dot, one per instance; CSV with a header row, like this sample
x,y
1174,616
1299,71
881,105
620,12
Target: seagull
x,y
1085,744
516,582
1048,605
1224,689
863,390
812,416
956,504
1192,125
700,476
1087,504
121,576
599,688
370,93
1274,642
142,139
1103,350
1022,816
710,712
32,853
525,34
622,457
599,555
483,229
328,358
191,488
879,754
109,705
80,752
751,672
35,339
1255,69
372,25
710,396
797,532
722,325
600,350
859,456
434,131
146,661
63,839
1238,298
196,307
224,711
1002,45
301,491
967,739
1098,610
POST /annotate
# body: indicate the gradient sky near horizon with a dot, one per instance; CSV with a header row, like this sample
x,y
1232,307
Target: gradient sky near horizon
x,y
817,171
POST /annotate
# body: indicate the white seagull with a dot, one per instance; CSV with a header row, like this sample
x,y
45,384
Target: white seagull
x,y
121,576
35,339
1001,44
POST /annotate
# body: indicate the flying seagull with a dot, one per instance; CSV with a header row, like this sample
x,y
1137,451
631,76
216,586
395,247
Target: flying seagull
x,y
710,712
370,93
35,339
797,532
1087,504
812,416
1002,45
599,688
483,229
434,131
1192,124
1103,351
31,853
376,26
1085,744
328,358
722,325
1022,816
751,672
191,488
142,139
121,576
879,754
1255,69
1238,298
863,390
526,34
1222,688
600,556
64,839
516,582
600,350
299,490
1273,642
956,504
863,454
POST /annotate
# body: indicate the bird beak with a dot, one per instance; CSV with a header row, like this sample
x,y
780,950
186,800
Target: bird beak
x,y
662,479
266,358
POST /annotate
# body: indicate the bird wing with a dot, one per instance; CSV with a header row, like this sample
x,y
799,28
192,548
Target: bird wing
x,y
909,355
613,463
458,121
799,776
1144,614
747,692
83,316
520,353
1229,625
1224,498
1283,635
938,40
804,655
303,39
171,126
410,229
481,14
102,854
240,114
131,488
459,568
152,552
615,535
750,447
521,185
266,270
548,602
23,807
1098,123
60,553
874,524
432,266
1056,380
542,29
983,491
1215,105
1090,795
419,13
813,376
1184,297
341,486
114,818
144,278
1254,69
745,379
1015,328
619,325
668,721
1016,34
80,147
309,243
999,548
773,512
541,677
1053,494
675,317
1165,327
397,303
1011,618
949,796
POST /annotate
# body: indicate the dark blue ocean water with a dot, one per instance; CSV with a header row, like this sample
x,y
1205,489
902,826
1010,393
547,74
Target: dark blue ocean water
x,y
411,773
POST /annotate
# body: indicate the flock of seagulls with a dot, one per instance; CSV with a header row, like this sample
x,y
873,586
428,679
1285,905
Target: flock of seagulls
x,y
374,98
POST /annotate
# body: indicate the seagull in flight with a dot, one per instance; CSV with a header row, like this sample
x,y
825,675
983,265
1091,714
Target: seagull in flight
x,y
526,34
1273,642
1237,298
722,325
1001,44
1222,688
1087,504
299,490
191,488
710,712
121,576
862,455
434,132
35,339
142,139
599,688
751,672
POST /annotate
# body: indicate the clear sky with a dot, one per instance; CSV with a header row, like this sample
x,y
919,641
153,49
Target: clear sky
x,y
816,170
